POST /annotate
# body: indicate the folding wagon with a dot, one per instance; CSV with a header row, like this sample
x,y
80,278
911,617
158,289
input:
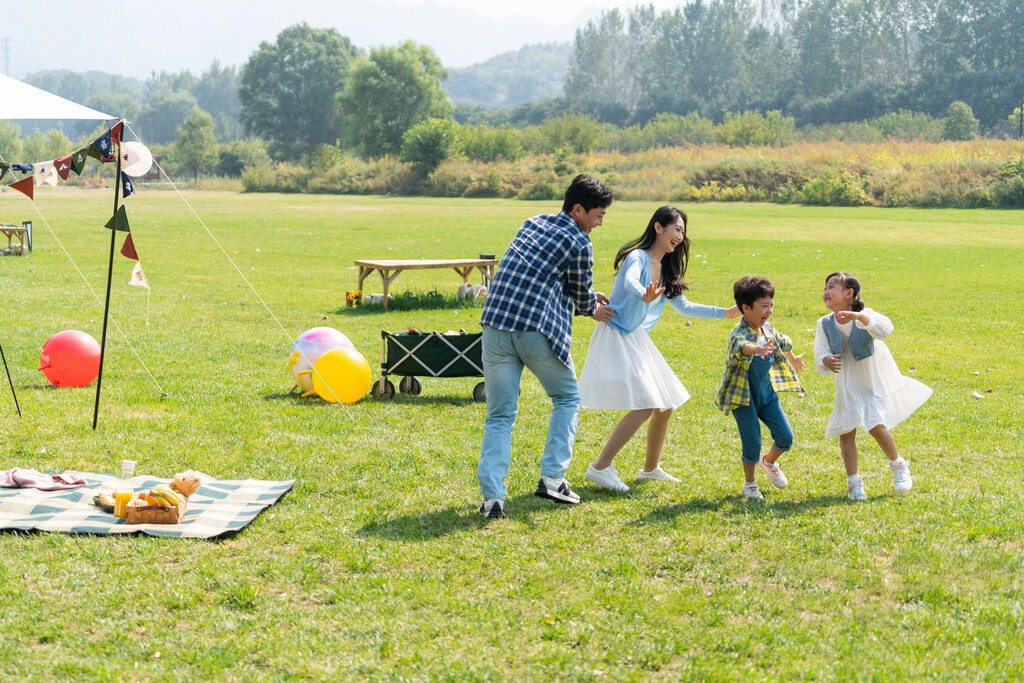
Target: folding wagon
x,y
428,354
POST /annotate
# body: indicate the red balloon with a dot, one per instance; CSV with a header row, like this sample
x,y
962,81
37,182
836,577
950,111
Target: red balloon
x,y
70,359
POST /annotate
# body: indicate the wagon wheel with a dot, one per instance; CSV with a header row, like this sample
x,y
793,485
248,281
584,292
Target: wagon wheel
x,y
388,392
410,385
480,393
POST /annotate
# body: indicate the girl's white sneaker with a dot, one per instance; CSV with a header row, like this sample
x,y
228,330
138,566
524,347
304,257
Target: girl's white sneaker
x,y
657,473
901,475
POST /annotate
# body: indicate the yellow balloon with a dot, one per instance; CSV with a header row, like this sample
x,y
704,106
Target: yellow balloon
x,y
341,375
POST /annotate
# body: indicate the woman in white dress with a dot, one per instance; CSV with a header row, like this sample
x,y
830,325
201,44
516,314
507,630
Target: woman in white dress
x,y
624,369
870,391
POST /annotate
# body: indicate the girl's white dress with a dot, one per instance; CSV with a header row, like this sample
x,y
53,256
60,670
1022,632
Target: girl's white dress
x,y
870,391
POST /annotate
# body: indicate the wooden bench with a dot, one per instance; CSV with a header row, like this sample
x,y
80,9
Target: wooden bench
x,y
389,270
12,231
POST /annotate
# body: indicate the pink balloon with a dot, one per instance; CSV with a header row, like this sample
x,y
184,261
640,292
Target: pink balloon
x,y
70,359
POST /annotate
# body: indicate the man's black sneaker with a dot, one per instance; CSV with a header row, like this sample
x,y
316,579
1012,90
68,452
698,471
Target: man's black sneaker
x,y
558,492
493,507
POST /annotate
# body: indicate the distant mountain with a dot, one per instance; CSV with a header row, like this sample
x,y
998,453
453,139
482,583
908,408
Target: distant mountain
x,y
533,72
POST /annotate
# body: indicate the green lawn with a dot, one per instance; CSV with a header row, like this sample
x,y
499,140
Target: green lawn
x,y
377,566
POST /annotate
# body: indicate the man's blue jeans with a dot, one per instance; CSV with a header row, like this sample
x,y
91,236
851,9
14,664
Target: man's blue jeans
x,y
504,356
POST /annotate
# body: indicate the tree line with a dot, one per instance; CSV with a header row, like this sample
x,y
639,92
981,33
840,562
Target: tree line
x,y
819,61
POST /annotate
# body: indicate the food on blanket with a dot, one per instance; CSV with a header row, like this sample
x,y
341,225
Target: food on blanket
x,y
186,483
165,496
104,501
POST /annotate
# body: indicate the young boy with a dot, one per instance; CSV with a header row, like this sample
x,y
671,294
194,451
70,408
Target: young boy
x,y
758,363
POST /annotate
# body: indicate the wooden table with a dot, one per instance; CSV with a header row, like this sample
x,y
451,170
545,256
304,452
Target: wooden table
x,y
389,270
12,231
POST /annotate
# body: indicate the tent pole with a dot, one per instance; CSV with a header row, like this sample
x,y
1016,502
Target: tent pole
x,y
110,272
17,408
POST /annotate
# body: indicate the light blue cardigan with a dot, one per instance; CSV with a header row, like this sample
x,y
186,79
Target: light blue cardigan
x,y
627,298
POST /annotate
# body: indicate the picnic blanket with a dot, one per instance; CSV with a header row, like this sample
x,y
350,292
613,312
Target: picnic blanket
x,y
220,506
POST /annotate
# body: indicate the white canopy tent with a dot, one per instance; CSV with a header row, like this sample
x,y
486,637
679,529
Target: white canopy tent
x,y
23,101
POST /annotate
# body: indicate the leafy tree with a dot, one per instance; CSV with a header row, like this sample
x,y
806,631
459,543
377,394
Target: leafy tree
x,y
960,123
196,147
234,157
121,104
217,91
287,88
165,111
390,92
430,142
41,146
10,143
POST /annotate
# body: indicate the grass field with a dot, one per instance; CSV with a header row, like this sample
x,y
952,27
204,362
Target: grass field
x,y
376,565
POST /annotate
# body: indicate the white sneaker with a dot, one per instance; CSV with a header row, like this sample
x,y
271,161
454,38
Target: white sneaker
x,y
607,478
774,473
856,491
901,475
657,473
751,491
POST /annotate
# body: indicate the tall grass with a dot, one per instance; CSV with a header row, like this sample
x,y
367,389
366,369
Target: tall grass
x,y
893,173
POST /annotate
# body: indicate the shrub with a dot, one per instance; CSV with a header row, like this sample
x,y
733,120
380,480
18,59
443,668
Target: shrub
x,y
430,142
836,187
908,125
750,128
960,123
484,143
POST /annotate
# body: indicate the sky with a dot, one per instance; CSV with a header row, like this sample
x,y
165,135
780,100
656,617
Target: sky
x,y
133,38
544,11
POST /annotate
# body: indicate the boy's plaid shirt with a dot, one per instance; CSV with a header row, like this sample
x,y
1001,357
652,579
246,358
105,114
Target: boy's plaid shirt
x,y
543,277
734,391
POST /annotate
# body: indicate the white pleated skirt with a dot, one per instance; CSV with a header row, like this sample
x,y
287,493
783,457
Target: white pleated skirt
x,y
627,372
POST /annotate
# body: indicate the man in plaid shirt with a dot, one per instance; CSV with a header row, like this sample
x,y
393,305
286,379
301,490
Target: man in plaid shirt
x,y
544,278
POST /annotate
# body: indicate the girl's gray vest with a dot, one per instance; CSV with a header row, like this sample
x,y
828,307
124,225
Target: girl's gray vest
x,y
861,343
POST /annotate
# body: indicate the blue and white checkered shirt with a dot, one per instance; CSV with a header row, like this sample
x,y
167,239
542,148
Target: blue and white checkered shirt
x,y
544,275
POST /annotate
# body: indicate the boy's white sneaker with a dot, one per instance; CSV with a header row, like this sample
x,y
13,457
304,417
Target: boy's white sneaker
x,y
900,469
657,473
607,478
751,491
774,473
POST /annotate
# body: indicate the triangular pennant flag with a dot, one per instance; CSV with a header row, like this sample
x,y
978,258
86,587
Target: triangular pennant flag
x,y
138,278
78,160
128,248
104,147
127,189
119,221
94,152
24,185
4,168
22,168
63,166
115,133
41,171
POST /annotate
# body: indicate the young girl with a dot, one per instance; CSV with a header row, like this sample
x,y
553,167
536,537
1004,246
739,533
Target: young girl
x,y
624,370
870,391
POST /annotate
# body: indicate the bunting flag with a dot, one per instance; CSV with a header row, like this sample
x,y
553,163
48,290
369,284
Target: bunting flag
x,y
44,173
115,133
128,248
22,168
119,221
127,189
94,152
104,147
78,160
138,278
24,185
63,166
4,168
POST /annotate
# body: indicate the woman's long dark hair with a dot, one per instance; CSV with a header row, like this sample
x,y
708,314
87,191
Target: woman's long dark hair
x,y
673,264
